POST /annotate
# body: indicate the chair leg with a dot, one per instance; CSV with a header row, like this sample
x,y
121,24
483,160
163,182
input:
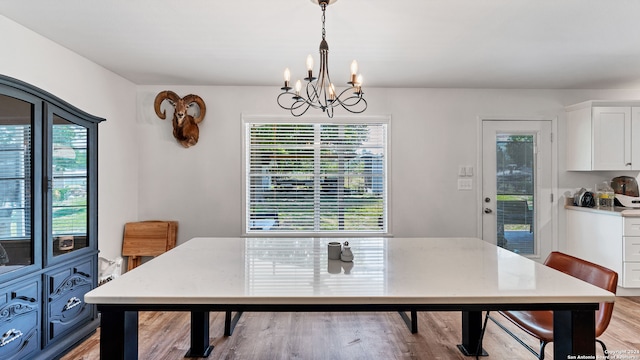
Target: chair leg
x,y
604,349
484,327
533,351
542,346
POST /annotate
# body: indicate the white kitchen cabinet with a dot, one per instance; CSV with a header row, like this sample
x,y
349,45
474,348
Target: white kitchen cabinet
x,y
606,238
600,135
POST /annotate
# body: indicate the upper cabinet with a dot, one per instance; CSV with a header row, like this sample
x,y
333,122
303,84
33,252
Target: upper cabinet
x,y
600,135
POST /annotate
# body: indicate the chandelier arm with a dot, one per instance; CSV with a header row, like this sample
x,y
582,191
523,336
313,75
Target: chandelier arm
x,y
353,89
345,103
280,103
349,109
313,96
297,103
324,79
302,103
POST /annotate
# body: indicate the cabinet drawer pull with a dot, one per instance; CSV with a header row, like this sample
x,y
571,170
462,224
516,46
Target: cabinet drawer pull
x,y
82,273
9,336
71,303
24,298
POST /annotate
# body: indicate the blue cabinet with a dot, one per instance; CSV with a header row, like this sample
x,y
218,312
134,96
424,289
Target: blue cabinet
x,y
48,222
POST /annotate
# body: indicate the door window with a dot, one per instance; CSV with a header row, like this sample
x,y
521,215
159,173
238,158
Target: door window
x,y
515,174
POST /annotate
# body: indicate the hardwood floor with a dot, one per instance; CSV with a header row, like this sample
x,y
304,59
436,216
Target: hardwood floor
x,y
165,335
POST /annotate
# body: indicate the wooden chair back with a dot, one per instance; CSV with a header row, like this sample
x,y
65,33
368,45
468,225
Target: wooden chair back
x,y
147,238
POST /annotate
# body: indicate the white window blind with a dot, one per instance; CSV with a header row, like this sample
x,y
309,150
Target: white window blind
x,y
69,185
15,181
316,177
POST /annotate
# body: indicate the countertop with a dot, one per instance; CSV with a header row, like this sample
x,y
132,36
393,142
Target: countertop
x,y
617,211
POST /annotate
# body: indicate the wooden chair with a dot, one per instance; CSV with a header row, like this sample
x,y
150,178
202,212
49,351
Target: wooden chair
x,y
147,238
539,324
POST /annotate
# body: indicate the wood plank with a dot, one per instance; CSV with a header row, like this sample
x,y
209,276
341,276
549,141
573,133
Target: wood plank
x,y
165,335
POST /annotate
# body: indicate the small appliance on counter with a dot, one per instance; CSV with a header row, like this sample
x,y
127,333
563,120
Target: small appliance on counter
x,y
584,198
626,191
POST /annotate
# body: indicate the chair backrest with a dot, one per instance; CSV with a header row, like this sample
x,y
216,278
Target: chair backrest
x,y
594,274
147,238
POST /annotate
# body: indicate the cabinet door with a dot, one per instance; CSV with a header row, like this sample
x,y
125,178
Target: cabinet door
x,y
65,288
595,237
20,320
611,138
635,136
19,190
69,167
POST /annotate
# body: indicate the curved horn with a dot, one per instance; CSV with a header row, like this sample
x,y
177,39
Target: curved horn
x,y
198,100
162,96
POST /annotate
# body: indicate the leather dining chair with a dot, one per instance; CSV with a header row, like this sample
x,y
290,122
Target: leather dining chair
x,y
539,323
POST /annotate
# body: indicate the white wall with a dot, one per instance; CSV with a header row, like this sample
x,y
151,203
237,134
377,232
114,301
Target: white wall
x,y
145,174
433,131
35,60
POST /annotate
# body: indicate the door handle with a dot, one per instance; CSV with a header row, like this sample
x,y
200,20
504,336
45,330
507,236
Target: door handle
x,y
487,211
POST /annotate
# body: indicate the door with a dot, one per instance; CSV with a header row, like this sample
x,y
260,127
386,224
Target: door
x,y
517,186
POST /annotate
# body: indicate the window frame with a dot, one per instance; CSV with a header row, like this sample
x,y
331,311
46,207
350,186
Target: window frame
x,y
265,119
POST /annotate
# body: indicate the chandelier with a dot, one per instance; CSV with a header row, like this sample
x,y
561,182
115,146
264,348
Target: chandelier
x,y
320,93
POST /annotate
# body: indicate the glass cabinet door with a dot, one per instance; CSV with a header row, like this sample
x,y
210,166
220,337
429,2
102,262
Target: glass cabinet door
x,y
16,166
48,180
67,183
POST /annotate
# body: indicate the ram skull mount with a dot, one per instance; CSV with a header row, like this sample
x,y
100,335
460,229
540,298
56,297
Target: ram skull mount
x,y
185,126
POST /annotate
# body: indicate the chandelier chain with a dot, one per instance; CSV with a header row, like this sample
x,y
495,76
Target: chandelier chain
x,y
324,7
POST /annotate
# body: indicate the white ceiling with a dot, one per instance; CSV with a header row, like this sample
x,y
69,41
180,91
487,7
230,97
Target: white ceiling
x,y
551,44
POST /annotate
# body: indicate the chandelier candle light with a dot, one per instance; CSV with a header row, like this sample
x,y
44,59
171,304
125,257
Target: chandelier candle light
x,y
320,93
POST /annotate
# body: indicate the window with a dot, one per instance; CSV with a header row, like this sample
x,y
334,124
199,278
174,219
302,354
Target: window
x,y
316,177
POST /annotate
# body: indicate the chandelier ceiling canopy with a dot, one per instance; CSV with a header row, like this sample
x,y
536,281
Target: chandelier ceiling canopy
x,y
319,92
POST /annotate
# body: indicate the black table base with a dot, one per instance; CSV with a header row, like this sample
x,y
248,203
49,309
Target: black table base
x,y
574,324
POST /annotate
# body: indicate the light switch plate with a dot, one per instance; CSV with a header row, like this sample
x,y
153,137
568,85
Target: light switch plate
x,y
465,184
469,170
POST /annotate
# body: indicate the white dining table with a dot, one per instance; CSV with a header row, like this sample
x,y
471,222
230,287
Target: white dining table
x,y
287,274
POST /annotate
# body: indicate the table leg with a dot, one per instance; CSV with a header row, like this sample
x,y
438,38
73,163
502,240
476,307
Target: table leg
x,y
230,323
574,334
412,322
199,335
471,329
118,334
